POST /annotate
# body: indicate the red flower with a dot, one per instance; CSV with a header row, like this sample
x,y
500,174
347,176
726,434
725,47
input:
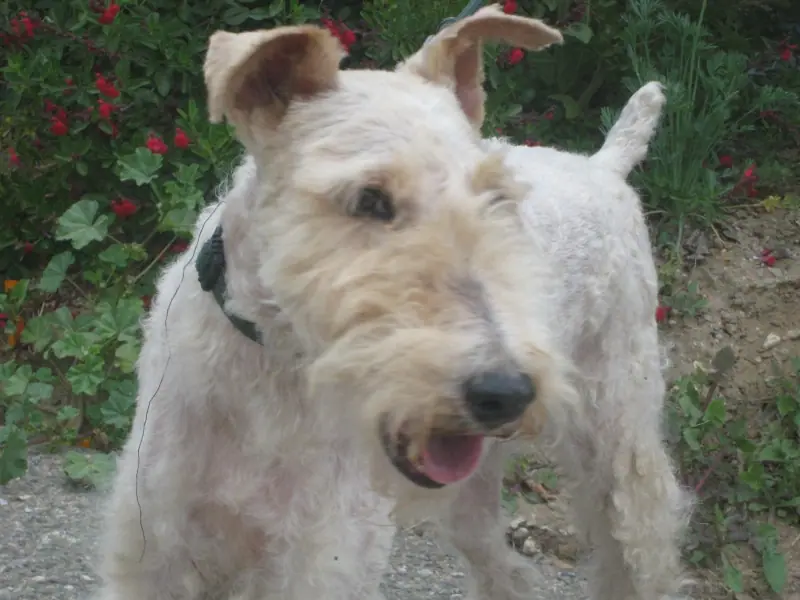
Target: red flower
x,y
58,127
725,160
768,260
68,80
23,27
749,173
124,208
341,32
156,145
105,87
549,115
510,7
752,192
347,37
105,109
27,248
515,56
179,246
13,159
181,140
109,14
662,312
786,50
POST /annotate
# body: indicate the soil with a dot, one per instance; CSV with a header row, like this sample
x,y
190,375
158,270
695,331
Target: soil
x,y
747,304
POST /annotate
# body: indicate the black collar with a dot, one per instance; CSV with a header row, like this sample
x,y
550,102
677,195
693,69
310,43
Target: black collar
x,y
210,265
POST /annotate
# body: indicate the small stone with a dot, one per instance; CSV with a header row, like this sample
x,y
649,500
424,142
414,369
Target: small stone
x,y
424,572
38,578
517,523
793,334
520,535
529,548
772,340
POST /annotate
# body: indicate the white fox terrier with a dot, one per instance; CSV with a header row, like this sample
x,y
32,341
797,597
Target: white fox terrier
x,y
377,305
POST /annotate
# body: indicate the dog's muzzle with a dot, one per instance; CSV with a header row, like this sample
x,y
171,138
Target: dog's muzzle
x,y
493,400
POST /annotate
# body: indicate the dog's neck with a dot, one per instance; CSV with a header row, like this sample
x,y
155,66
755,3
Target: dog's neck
x,y
210,265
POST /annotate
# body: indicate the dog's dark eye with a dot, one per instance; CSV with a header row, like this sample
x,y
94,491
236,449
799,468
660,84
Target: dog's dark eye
x,y
374,204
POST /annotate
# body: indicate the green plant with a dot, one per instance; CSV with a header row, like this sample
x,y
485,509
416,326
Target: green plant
x,y
708,104
751,462
113,158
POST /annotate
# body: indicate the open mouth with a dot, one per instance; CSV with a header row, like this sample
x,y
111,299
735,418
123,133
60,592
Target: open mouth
x,y
445,458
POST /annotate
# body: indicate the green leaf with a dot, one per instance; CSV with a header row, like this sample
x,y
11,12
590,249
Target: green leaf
x,y
38,391
116,254
85,377
753,476
732,576
81,225
163,82
118,410
580,31
90,470
180,220
236,15
571,108
39,332
774,565
13,453
18,382
715,412
691,437
122,320
141,166
55,272
67,413
75,344
126,356
786,404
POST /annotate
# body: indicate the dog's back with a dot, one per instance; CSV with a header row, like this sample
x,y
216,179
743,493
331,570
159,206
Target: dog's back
x,y
583,213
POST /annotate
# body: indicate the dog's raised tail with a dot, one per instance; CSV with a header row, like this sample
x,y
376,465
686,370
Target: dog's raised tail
x,y
627,141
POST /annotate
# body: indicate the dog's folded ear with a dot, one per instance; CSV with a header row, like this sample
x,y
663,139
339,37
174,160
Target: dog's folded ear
x,y
454,57
258,73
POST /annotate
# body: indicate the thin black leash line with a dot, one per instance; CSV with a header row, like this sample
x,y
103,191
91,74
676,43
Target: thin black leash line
x,y
163,376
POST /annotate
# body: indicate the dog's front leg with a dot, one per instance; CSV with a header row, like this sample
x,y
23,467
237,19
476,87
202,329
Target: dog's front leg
x,y
341,554
475,527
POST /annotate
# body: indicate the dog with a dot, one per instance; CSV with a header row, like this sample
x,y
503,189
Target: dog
x,y
377,311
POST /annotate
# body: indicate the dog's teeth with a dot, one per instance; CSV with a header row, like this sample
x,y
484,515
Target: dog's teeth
x,y
414,453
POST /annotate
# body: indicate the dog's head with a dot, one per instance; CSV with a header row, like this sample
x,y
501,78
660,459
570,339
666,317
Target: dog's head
x,y
392,239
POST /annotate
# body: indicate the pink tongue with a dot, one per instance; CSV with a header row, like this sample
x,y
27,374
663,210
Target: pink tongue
x,y
450,458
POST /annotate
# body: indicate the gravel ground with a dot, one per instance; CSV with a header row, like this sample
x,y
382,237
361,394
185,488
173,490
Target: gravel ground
x,y
48,530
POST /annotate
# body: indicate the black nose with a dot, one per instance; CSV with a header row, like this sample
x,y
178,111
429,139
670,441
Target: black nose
x,y
495,398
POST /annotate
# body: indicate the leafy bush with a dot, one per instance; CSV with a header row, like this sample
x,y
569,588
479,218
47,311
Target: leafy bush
x,y
710,100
